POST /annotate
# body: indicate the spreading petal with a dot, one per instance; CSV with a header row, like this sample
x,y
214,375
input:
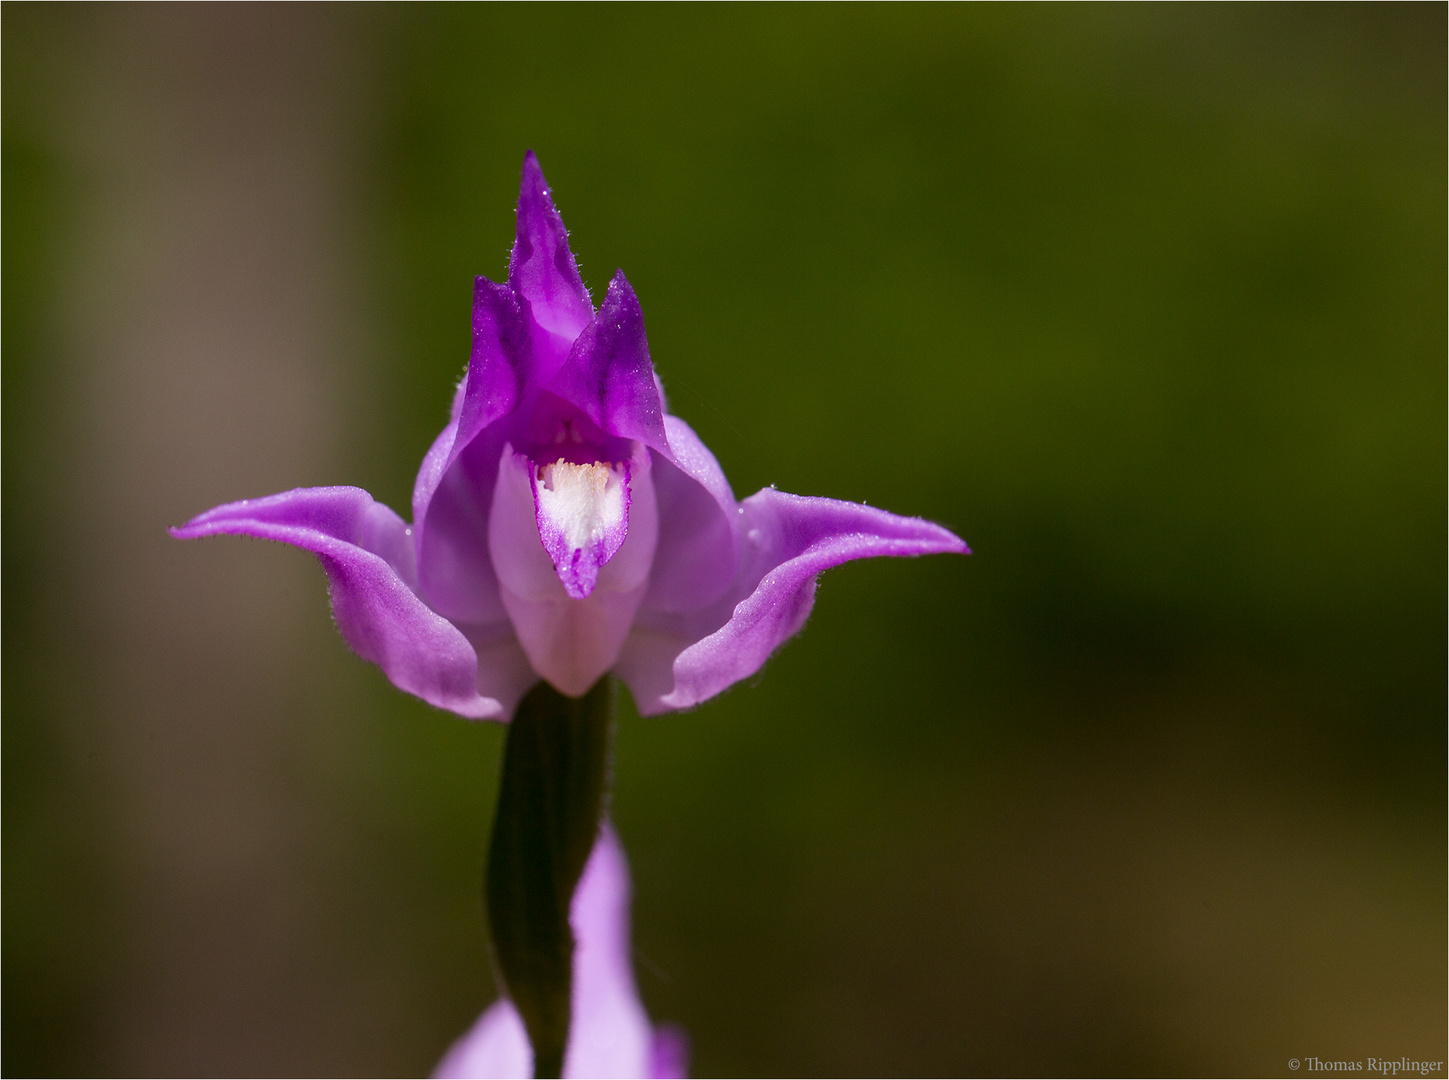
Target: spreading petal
x,y
787,540
610,1035
543,273
367,552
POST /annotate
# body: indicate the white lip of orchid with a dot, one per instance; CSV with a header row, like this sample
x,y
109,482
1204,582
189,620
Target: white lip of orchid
x,y
572,639
584,502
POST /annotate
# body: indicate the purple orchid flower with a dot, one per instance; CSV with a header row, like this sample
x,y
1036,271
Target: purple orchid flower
x,y
610,1034
564,525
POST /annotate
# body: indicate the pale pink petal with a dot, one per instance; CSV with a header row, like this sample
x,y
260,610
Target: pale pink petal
x,y
569,641
694,562
786,541
455,571
610,1035
495,1048
366,550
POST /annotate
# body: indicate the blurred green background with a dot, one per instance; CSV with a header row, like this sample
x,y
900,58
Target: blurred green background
x,y
1148,303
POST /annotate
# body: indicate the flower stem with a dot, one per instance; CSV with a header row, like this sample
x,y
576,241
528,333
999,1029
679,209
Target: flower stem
x,y
555,776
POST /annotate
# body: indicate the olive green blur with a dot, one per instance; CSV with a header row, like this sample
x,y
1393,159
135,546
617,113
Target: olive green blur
x,y
1147,303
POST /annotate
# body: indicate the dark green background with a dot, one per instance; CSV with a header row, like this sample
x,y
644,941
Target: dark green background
x,y
1147,303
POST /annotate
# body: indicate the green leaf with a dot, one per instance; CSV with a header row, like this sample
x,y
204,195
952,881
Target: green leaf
x,y
555,774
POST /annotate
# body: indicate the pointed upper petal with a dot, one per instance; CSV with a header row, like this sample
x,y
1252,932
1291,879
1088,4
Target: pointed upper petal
x,y
542,269
500,364
610,1035
608,375
452,495
367,552
497,376
522,332
787,541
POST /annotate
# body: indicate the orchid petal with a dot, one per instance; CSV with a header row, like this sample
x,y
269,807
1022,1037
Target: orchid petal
x,y
367,552
695,560
610,1035
435,461
499,365
455,573
669,1054
523,565
569,641
542,270
582,513
612,539
788,541
608,375
495,1048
